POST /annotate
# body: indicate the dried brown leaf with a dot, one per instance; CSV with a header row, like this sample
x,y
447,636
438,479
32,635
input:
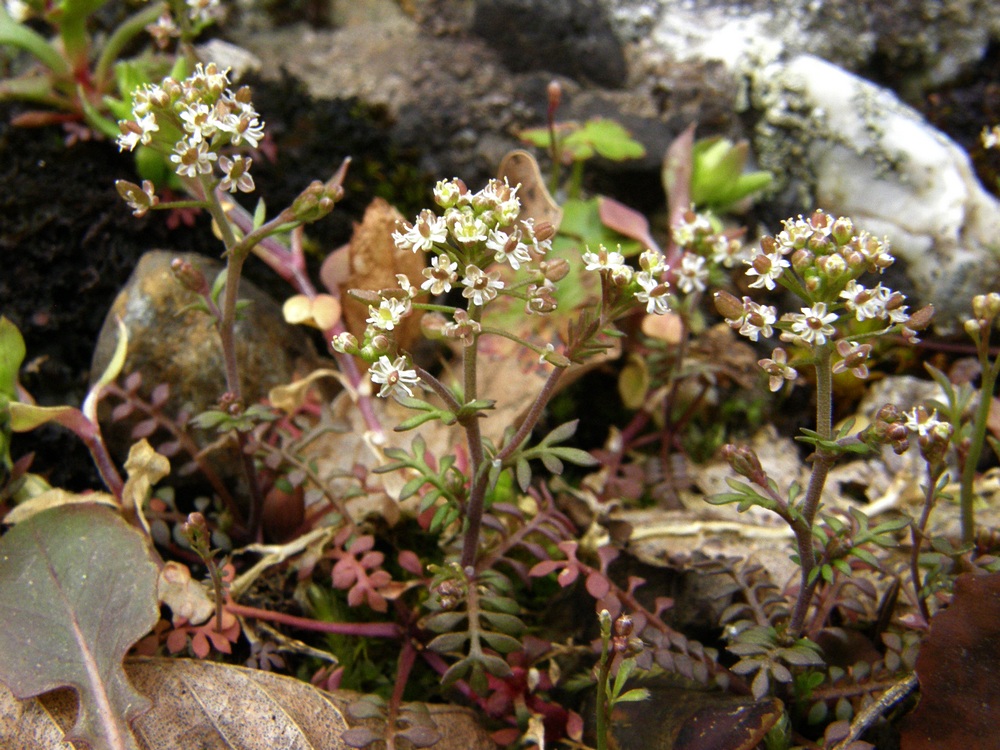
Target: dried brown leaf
x,y
220,707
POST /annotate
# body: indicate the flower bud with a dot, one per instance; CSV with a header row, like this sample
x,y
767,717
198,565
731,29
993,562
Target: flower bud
x,y
802,259
555,269
744,462
345,343
973,327
768,245
921,318
842,230
728,306
544,230
554,93
380,343
189,276
432,325
986,306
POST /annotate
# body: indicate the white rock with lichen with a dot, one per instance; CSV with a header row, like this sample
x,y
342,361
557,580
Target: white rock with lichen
x,y
854,149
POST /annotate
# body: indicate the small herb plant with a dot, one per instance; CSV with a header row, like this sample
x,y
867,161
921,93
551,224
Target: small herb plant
x,y
454,600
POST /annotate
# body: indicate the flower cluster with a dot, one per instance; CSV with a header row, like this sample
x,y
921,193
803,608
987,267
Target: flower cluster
x,y
478,245
195,120
648,286
820,259
704,248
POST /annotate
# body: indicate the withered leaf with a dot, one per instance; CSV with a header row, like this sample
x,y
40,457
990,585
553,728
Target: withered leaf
x,y
958,665
201,704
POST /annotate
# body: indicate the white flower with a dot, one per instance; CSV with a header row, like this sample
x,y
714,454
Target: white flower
x,y
726,251
246,127
757,320
692,274
768,268
428,230
192,159
199,122
918,420
854,357
655,293
390,311
690,228
130,135
603,260
147,124
393,377
440,275
237,174
812,325
863,302
448,193
202,11
467,228
508,248
480,287
778,369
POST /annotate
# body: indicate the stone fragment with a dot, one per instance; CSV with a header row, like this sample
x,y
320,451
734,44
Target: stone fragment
x,y
169,342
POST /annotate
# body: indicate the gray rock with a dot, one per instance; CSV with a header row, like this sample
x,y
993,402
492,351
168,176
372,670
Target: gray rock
x,y
170,343
853,149
924,42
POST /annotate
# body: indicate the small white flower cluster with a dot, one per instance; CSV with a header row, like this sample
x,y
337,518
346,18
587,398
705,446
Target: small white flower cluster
x,y
472,232
820,259
648,285
703,247
202,116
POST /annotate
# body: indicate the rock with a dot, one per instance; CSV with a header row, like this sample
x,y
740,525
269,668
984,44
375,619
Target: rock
x,y
854,149
571,37
171,344
923,44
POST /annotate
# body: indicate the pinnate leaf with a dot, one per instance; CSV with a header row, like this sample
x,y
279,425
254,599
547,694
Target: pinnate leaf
x,y
77,589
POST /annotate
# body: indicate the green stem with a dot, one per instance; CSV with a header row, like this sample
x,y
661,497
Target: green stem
x,y
603,676
977,439
917,536
236,255
822,461
474,438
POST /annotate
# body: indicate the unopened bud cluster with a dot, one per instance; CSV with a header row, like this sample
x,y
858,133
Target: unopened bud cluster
x,y
820,259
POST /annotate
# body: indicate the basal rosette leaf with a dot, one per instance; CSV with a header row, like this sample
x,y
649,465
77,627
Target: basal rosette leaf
x,y
77,589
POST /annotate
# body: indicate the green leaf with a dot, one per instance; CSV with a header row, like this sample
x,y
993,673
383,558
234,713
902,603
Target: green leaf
x,y
444,621
501,642
561,433
523,470
12,353
574,456
411,487
503,622
77,589
635,694
448,642
259,214
611,140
